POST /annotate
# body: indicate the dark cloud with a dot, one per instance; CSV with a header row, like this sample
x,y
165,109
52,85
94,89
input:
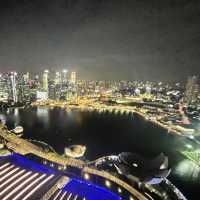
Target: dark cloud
x,y
104,39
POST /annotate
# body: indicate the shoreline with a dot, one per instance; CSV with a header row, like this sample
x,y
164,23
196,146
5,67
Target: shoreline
x,y
124,109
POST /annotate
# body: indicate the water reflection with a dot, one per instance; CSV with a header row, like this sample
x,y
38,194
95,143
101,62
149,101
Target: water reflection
x,y
43,115
14,115
188,170
16,112
3,118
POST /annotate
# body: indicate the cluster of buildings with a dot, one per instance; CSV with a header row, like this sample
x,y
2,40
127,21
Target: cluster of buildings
x,y
63,85
24,88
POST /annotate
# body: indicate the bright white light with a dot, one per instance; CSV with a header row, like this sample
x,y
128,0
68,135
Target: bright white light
x,y
15,182
191,137
86,176
59,168
62,197
8,174
189,146
57,195
29,186
108,184
65,70
19,186
37,187
69,196
52,165
11,178
135,165
5,170
119,190
4,165
75,197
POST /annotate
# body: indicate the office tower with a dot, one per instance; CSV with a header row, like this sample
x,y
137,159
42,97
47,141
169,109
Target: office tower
x,y
148,90
73,77
24,90
45,80
191,90
26,77
13,86
64,77
4,89
57,78
52,90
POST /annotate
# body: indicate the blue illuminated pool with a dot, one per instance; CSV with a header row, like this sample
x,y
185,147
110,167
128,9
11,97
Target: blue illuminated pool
x,y
75,187
90,191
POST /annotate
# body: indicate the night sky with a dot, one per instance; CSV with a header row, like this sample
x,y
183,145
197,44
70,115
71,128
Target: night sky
x,y
102,39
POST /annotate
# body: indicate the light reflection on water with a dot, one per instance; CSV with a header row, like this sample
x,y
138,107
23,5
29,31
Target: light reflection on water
x,y
16,112
188,170
3,118
43,115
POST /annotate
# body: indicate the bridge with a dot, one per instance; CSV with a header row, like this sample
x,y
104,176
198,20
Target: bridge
x,y
23,147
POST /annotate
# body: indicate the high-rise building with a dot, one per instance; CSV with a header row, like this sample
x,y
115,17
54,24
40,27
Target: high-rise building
x,y
23,87
52,90
26,77
64,77
73,77
13,86
4,88
191,90
57,79
41,95
45,80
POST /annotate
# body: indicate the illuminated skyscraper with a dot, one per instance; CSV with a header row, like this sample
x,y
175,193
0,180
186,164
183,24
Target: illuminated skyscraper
x,y
64,77
192,90
26,77
13,85
4,88
24,90
52,90
57,78
73,77
45,80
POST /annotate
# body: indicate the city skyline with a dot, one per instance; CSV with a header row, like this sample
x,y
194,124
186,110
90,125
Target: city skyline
x,y
144,40
99,99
